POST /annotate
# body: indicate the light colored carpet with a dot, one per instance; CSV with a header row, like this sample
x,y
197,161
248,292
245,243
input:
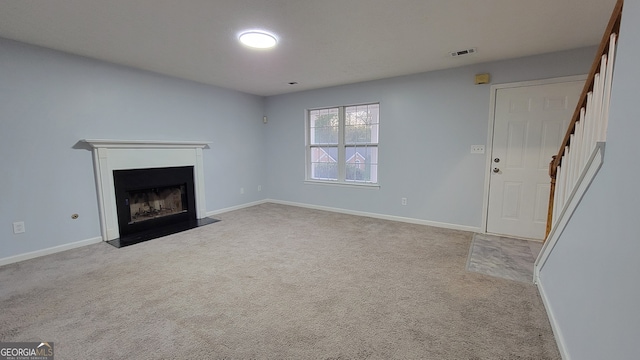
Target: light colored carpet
x,y
275,282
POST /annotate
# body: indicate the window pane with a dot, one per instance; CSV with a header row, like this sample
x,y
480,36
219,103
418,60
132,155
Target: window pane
x,y
361,163
323,126
347,134
361,124
324,163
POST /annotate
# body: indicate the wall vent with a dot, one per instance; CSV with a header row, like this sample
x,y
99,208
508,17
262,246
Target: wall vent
x,y
463,52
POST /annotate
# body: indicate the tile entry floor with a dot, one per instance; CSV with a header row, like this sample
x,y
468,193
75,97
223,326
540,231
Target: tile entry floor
x,y
503,257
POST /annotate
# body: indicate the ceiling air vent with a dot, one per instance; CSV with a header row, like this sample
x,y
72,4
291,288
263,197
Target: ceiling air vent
x,y
463,52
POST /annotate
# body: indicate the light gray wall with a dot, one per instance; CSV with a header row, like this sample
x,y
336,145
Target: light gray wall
x,y
50,100
428,123
591,277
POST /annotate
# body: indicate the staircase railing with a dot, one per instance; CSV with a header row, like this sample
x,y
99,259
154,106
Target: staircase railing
x,y
587,129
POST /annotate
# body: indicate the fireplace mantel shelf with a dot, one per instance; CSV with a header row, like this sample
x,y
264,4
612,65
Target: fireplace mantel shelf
x,y
145,144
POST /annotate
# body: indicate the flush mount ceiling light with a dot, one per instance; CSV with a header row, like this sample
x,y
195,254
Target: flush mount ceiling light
x,y
258,39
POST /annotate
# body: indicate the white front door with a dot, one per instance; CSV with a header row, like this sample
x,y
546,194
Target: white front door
x,y
529,125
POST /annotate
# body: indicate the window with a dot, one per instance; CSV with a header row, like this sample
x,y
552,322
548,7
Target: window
x,y
342,144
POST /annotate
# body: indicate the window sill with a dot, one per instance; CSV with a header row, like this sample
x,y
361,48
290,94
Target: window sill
x,y
343,184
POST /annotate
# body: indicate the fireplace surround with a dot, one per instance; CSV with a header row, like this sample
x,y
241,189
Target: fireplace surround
x,y
152,201
111,156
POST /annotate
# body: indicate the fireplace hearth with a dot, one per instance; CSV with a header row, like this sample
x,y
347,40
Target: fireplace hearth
x,y
154,202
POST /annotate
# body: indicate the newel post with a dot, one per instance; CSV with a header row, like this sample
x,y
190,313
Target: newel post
x,y
553,171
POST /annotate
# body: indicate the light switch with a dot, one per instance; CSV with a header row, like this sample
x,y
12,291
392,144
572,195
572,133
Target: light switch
x,y
18,227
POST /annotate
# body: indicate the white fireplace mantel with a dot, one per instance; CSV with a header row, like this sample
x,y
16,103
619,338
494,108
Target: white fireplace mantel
x,y
109,155
145,144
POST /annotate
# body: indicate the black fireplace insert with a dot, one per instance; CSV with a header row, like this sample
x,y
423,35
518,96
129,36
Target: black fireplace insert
x,y
154,202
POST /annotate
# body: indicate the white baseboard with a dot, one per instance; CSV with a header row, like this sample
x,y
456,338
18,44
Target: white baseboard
x,y
554,323
233,208
584,181
55,249
48,251
379,216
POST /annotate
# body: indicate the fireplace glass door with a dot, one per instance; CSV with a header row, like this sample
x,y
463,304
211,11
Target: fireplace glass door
x,y
154,203
148,199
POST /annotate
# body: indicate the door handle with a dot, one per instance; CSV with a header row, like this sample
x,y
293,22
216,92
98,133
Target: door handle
x,y
496,170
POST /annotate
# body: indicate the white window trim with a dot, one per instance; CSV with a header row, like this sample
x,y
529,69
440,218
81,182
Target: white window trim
x,y
341,150
343,184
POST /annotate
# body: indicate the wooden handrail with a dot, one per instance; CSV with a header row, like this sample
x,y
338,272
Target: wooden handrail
x,y
613,27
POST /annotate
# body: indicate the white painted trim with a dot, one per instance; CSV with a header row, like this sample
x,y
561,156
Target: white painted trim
x,y
101,203
199,186
98,239
343,184
378,216
492,116
588,174
95,240
341,146
349,212
109,155
49,251
55,249
237,207
584,181
145,144
557,333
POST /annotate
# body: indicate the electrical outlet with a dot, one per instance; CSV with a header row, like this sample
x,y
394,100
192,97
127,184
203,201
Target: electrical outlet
x,y
403,201
18,227
259,187
477,149
241,190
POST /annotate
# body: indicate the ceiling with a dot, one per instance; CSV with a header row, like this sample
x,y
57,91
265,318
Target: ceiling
x,y
321,42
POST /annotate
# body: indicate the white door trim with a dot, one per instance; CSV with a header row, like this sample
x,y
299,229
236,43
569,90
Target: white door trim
x,y
492,115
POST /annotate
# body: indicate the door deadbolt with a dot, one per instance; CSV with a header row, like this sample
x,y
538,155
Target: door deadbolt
x,y
496,170
497,160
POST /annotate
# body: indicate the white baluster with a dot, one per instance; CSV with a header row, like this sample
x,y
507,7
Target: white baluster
x,y
586,138
557,196
607,90
565,177
590,128
570,163
597,99
598,96
579,133
565,180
